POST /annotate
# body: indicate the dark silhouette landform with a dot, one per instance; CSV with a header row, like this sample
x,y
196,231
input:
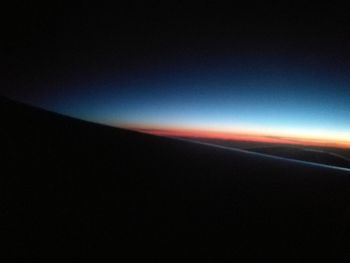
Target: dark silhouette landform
x,y
76,190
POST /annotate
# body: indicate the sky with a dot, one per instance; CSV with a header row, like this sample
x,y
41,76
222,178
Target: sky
x,y
269,102
271,73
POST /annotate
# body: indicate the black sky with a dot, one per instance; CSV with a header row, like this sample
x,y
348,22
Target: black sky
x,y
51,44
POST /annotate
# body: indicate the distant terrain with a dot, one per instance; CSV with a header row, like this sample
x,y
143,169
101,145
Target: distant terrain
x,y
324,155
305,154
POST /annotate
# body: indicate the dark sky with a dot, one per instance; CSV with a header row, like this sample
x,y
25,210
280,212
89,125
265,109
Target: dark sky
x,y
280,65
62,43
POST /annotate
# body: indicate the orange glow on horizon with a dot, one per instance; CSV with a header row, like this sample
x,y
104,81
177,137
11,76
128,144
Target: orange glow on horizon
x,y
248,136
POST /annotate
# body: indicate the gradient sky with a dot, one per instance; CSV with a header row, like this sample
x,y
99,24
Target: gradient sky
x,y
232,98
280,70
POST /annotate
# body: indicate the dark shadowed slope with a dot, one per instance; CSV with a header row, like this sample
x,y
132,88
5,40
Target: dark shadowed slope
x,y
77,190
308,155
